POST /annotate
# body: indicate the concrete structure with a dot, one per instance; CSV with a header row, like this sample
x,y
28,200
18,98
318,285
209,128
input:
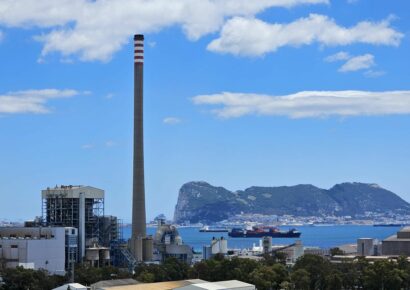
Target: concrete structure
x,y
367,247
316,251
53,249
267,245
292,252
168,243
81,207
140,244
97,256
348,249
398,244
217,246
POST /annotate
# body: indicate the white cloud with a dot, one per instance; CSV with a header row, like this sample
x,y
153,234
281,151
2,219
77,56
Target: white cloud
x,y
247,36
32,101
110,143
342,55
87,146
309,104
1,35
95,30
171,120
109,96
374,73
355,63
358,63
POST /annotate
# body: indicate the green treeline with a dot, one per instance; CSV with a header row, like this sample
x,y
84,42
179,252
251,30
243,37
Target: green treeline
x,y
310,272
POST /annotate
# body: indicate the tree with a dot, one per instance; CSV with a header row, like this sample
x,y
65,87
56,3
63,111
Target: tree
x,y
146,277
176,269
384,275
334,280
317,267
265,278
300,279
88,275
20,278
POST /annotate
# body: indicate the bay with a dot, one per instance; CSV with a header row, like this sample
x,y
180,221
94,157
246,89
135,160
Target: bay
x,y
315,236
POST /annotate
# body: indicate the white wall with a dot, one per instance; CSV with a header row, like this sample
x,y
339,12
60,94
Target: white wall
x,y
48,254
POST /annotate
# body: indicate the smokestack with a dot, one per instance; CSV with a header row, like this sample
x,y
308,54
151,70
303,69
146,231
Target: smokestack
x,y
138,196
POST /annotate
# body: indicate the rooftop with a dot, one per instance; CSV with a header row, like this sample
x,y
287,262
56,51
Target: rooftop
x,y
112,283
157,286
72,191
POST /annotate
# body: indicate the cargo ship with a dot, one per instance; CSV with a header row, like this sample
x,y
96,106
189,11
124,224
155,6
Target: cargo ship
x,y
258,232
207,229
389,225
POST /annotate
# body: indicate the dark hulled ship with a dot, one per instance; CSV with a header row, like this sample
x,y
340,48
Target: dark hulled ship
x,y
258,232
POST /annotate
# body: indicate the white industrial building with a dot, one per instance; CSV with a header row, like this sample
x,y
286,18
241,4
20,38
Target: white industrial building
x,y
368,247
51,249
217,246
77,206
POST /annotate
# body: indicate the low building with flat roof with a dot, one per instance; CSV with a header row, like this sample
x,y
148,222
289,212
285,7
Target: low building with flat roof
x,y
170,285
52,249
194,284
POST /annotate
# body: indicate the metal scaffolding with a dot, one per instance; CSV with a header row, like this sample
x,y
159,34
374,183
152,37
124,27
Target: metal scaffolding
x,y
75,206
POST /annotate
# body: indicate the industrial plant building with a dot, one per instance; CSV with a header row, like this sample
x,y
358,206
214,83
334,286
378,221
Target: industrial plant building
x,y
72,229
398,244
53,249
82,207
217,246
168,243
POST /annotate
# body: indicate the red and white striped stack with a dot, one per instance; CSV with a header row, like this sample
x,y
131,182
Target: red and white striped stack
x,y
139,48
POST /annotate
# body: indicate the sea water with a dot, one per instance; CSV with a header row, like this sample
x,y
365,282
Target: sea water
x,y
315,236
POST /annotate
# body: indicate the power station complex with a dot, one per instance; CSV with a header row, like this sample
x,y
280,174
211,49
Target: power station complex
x,y
73,227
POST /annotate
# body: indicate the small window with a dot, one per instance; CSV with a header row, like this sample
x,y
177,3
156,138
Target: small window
x,y
14,246
73,231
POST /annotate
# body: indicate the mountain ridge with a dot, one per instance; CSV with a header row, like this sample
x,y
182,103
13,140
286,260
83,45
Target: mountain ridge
x,y
199,201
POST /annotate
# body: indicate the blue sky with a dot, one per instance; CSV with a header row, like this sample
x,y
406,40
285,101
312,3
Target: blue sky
x,y
237,93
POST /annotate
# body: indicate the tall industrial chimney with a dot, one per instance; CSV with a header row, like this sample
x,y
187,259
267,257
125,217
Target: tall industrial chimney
x,y
138,196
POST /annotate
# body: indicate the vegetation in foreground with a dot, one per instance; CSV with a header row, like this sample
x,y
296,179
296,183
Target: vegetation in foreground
x,y
310,272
